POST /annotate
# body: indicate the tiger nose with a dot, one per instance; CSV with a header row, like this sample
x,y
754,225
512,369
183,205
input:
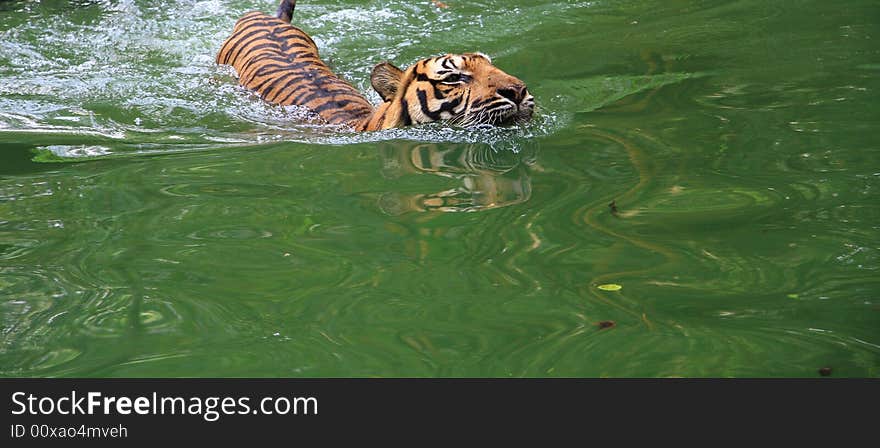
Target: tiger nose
x,y
515,93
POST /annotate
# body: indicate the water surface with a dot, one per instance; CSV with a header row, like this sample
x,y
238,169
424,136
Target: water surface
x,y
157,220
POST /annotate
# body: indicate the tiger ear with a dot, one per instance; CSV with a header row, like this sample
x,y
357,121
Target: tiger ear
x,y
386,79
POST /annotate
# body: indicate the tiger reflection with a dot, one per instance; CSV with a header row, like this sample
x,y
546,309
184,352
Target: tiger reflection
x,y
487,178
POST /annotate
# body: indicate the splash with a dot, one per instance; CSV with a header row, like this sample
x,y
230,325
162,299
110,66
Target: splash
x,y
134,79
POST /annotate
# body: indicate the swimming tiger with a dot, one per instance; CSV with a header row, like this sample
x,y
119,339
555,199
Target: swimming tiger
x,y
280,62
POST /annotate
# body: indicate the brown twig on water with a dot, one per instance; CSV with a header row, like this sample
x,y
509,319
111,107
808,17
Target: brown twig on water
x,y
613,207
606,324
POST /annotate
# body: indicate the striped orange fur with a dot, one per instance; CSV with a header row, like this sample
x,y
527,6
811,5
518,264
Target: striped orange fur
x,y
281,63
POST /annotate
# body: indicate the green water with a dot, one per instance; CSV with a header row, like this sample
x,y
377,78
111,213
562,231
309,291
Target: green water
x,y
156,220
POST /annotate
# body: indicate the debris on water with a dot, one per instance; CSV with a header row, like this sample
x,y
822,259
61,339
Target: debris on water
x,y
606,324
792,296
613,207
825,371
439,4
610,287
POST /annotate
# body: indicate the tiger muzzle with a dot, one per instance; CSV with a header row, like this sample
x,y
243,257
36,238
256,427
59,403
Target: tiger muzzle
x,y
525,104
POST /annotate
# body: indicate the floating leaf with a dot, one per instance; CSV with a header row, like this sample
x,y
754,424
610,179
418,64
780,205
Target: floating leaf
x,y
792,296
610,287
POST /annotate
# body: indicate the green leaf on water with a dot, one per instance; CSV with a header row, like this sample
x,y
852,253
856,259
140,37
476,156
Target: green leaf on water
x,y
610,287
792,296
304,227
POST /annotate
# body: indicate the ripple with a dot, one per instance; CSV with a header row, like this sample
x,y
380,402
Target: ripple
x,y
56,358
230,233
223,190
696,205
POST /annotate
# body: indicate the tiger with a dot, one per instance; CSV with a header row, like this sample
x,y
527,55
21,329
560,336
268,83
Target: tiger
x,y
280,62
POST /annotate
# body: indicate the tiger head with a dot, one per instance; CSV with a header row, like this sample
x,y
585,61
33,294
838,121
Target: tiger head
x,y
465,89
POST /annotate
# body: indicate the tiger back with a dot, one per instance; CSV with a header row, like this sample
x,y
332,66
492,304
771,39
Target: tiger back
x,y
281,63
